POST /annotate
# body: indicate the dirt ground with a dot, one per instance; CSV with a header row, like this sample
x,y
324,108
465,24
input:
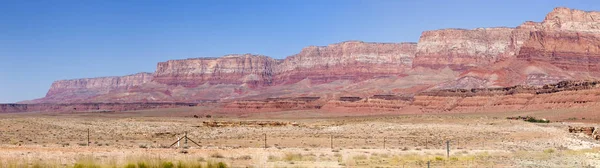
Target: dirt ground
x,y
294,139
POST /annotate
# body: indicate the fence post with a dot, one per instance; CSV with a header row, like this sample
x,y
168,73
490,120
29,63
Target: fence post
x,y
448,148
88,137
331,145
186,139
265,140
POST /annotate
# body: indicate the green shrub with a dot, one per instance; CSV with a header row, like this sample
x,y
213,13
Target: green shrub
x,y
142,165
130,165
221,165
167,165
534,120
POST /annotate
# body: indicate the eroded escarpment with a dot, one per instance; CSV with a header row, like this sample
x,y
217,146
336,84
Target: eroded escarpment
x,y
566,94
564,46
229,69
570,51
275,104
351,60
461,49
66,91
372,103
88,107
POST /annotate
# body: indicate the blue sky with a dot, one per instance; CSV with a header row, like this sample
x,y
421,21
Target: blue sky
x,y
43,41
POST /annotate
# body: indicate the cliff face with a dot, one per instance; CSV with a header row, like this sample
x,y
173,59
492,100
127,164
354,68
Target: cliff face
x,y
565,19
351,60
461,49
564,46
570,51
230,69
568,39
83,88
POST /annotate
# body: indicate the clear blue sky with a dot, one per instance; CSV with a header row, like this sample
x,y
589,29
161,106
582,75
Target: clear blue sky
x,y
43,41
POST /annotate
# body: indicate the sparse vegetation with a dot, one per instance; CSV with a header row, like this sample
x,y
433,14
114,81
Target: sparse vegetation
x,y
245,157
534,120
530,119
217,155
304,146
293,157
360,157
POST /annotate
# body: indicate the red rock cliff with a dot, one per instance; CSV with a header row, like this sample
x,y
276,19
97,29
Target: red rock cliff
x,y
230,69
351,60
568,39
461,49
565,46
571,51
83,88
565,19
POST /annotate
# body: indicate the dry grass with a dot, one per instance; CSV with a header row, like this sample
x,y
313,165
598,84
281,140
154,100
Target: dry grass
x,y
410,140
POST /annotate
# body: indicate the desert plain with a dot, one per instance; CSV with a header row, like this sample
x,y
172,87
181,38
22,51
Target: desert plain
x,y
296,138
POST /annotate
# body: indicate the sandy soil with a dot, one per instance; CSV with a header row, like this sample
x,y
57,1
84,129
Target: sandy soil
x,y
308,140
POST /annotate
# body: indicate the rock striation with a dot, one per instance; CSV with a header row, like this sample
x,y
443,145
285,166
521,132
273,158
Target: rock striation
x,y
275,104
565,19
229,69
566,94
570,51
80,89
461,49
350,60
564,46
87,107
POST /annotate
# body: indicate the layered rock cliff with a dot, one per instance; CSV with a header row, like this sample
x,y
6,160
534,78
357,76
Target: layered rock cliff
x,y
81,89
351,60
229,69
568,39
564,46
461,49
570,51
565,19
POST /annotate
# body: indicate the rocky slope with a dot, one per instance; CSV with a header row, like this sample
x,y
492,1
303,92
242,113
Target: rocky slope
x,y
87,107
567,94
